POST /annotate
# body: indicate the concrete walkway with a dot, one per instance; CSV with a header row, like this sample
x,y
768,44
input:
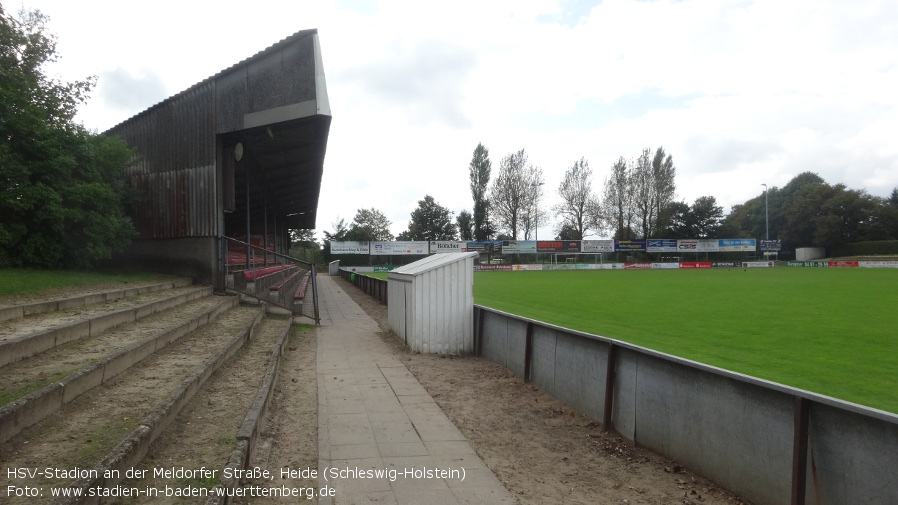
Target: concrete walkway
x,y
381,437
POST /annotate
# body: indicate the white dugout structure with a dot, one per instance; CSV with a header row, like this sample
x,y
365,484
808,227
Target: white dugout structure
x,y
432,303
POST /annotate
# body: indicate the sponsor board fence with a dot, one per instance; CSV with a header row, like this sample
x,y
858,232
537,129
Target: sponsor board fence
x,y
689,265
400,248
624,266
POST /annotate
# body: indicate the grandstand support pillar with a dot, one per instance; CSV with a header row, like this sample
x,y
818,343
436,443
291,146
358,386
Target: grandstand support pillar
x,y
219,277
607,420
800,451
249,239
265,230
528,354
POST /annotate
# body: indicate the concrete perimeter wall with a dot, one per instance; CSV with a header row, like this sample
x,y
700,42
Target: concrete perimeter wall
x,y
772,444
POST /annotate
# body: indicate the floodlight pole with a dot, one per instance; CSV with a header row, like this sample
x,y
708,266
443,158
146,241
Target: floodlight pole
x,y
536,220
766,215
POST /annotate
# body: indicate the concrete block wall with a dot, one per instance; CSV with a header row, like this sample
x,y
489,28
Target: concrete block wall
x,y
736,430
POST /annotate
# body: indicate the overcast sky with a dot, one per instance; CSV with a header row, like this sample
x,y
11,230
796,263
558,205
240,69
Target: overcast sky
x,y
741,93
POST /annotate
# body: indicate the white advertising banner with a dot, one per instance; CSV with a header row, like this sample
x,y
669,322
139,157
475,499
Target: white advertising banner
x,y
698,245
398,248
878,264
349,247
447,246
597,246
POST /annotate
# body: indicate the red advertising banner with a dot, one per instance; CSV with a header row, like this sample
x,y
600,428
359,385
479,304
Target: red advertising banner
x,y
695,264
638,266
850,264
558,246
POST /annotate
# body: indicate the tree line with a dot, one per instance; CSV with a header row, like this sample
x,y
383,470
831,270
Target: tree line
x,y
637,200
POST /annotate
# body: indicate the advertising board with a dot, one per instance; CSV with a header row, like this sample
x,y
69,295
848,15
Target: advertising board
x,y
606,266
567,266
398,248
757,264
597,246
349,247
696,264
629,245
491,245
492,268
558,246
660,245
737,244
878,264
697,245
848,264
518,247
447,246
808,264
770,245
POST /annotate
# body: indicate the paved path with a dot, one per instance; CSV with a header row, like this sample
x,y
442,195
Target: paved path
x,y
377,425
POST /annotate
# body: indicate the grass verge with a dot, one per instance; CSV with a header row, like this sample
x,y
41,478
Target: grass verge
x,y
19,281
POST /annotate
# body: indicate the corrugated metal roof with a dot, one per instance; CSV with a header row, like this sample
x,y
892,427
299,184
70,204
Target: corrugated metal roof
x,y
431,263
237,66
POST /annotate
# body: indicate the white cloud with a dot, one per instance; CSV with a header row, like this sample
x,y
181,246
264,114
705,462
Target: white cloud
x,y
119,89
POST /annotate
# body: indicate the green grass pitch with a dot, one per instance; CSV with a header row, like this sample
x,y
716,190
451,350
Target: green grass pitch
x,y
833,331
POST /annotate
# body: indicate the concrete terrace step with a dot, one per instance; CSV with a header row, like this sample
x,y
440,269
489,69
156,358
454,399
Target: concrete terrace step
x,y
28,336
69,370
88,297
113,425
223,421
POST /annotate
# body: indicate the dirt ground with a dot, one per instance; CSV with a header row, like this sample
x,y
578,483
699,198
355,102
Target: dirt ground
x,y
541,449
290,432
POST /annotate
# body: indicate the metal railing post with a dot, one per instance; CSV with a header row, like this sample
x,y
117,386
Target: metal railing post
x,y
315,294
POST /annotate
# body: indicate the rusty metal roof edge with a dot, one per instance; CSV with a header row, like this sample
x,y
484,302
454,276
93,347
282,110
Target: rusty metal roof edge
x,y
274,47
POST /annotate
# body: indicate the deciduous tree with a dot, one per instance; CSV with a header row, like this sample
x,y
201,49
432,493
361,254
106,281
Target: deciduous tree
x,y
654,186
706,217
618,201
479,172
513,191
62,194
664,175
431,221
465,223
369,225
580,208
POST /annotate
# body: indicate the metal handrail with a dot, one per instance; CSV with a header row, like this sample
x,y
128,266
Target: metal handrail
x,y
259,257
